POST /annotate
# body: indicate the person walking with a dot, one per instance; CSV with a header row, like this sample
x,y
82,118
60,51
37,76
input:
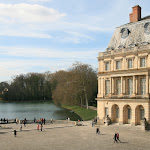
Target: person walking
x,y
41,127
118,137
97,131
24,123
38,127
15,133
51,120
34,119
44,120
21,128
115,138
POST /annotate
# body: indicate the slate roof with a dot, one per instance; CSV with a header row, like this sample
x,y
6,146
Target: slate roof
x,y
131,34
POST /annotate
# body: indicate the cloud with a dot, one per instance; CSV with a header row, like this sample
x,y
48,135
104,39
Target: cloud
x,y
27,13
75,53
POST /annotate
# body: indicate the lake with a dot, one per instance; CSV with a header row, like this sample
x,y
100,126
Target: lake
x,y
29,110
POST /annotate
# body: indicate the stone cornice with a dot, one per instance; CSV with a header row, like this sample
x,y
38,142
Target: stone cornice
x,y
123,53
125,71
123,100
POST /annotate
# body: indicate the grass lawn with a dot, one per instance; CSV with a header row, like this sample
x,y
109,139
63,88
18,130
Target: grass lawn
x,y
85,114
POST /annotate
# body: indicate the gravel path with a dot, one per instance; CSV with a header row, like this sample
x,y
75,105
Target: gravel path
x,y
70,137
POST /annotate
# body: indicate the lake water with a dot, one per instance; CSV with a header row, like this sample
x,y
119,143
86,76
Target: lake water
x,y
29,110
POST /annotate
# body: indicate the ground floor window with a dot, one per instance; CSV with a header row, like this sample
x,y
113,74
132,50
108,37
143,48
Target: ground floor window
x,y
129,113
106,111
141,114
117,112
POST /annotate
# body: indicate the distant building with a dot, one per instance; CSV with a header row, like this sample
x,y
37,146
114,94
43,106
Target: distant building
x,y
124,73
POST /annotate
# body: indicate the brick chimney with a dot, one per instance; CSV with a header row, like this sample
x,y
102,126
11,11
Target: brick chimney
x,y
136,14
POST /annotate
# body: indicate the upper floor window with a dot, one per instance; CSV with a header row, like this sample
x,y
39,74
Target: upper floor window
x,y
130,63
107,66
142,62
118,82
143,86
118,64
107,83
130,86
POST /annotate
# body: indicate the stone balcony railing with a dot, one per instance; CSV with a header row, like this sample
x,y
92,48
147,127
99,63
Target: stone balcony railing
x,y
124,50
127,97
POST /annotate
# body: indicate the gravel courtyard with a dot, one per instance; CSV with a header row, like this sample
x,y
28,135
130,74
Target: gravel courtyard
x,y
69,137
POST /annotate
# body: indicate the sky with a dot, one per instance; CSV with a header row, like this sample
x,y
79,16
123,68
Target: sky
x,y
51,35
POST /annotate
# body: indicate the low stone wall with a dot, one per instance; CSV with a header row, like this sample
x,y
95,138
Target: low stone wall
x,y
51,122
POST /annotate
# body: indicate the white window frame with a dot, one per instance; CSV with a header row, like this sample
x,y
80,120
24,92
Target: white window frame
x,y
130,89
142,91
130,67
144,62
107,87
118,61
107,69
118,87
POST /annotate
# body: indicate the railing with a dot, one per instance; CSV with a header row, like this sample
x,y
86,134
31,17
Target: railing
x,y
127,97
124,50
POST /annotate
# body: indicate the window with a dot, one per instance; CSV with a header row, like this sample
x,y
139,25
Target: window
x,y
118,86
106,111
143,86
107,66
107,87
129,113
118,65
141,114
142,62
130,86
117,112
130,63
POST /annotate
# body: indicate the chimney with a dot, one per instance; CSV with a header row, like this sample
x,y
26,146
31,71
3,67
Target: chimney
x,y
136,14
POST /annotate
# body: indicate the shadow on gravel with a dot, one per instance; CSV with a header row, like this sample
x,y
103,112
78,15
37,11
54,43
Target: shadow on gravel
x,y
124,142
2,132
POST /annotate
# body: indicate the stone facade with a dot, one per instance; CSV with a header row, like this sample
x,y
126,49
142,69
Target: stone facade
x,y
124,75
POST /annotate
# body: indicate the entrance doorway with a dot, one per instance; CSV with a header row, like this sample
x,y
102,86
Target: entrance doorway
x,y
139,115
127,114
115,113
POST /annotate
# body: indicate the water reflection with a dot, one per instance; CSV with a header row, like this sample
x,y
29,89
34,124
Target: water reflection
x,y
30,110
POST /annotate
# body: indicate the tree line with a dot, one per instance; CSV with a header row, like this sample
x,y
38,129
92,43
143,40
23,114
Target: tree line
x,y
76,86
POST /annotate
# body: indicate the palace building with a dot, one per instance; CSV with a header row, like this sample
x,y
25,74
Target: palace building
x,y
124,73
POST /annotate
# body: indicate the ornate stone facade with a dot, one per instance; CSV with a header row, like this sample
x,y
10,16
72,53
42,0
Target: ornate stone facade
x,y
124,75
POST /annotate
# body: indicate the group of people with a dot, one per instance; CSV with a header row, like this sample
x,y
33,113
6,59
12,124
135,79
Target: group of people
x,y
40,126
4,120
41,120
116,138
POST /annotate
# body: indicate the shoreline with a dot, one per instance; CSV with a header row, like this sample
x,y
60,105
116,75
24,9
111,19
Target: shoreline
x,y
85,114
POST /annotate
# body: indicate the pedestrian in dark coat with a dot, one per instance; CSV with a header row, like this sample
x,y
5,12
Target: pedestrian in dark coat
x,y
24,123
41,127
15,133
21,128
97,131
44,120
115,138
